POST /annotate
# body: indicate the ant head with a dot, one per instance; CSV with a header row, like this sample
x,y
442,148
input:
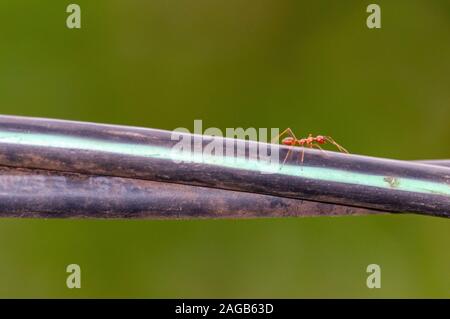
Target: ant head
x,y
288,141
320,139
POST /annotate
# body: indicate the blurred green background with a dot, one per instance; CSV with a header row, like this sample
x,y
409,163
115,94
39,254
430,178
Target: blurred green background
x,y
310,65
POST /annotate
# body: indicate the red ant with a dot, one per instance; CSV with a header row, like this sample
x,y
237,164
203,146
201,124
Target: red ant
x,y
309,141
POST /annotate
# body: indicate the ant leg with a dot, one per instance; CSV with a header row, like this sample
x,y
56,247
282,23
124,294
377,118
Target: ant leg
x,y
302,155
320,148
286,131
330,139
303,150
276,138
310,145
285,159
291,134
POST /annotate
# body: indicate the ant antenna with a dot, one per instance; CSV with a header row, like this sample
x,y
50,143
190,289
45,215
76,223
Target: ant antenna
x,y
330,139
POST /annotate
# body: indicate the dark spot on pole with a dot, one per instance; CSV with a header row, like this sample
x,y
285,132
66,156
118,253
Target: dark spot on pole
x,y
392,181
